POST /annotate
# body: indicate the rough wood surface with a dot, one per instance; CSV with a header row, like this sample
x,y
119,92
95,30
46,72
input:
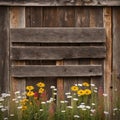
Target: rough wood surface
x,y
108,60
116,60
17,20
59,3
4,49
57,53
56,71
96,20
35,18
58,35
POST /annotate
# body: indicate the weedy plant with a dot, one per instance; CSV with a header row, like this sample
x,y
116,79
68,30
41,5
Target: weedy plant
x,y
83,102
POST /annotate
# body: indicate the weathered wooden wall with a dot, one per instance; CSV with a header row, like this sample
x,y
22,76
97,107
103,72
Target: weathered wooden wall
x,y
58,17
16,22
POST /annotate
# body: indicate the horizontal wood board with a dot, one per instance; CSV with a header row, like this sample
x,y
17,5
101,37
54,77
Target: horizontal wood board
x,y
58,35
57,53
56,71
60,3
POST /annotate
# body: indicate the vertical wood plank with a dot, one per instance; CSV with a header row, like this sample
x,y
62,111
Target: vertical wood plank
x,y
108,61
67,19
17,20
4,49
116,60
82,19
96,20
34,16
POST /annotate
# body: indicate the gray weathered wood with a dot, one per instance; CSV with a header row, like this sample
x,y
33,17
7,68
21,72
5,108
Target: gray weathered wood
x,y
4,49
57,53
116,60
56,71
59,3
58,35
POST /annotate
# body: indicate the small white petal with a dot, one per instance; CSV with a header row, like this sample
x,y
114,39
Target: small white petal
x,y
1,106
106,113
62,101
11,115
63,111
81,106
55,89
5,118
1,99
70,107
76,116
19,97
95,91
93,104
52,87
4,95
92,110
48,101
16,101
76,84
43,102
95,88
19,107
17,92
69,96
88,107
3,109
105,95
75,99
41,110
82,103
115,109
54,93
92,85
68,93
80,85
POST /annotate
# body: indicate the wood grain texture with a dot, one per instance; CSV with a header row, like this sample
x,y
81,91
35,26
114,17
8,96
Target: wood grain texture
x,y
59,3
58,35
108,61
96,20
4,49
17,20
35,18
57,53
56,71
116,60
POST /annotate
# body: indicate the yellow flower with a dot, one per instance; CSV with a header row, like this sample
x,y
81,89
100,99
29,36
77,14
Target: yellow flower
x,y
40,84
29,88
24,107
30,93
41,90
86,84
81,92
74,88
88,92
23,101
